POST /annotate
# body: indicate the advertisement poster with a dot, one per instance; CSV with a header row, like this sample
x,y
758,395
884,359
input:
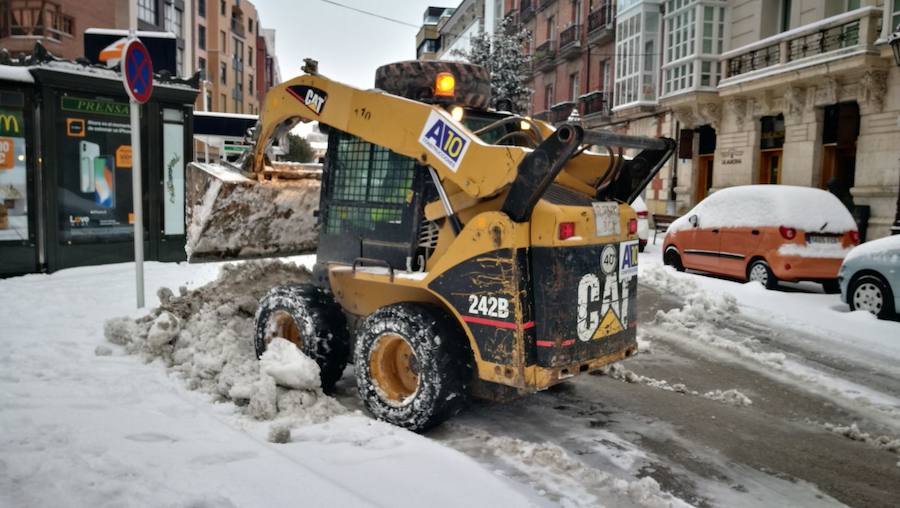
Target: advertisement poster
x,y
13,178
94,170
173,172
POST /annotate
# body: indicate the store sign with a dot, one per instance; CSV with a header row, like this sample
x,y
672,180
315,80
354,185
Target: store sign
x,y
94,106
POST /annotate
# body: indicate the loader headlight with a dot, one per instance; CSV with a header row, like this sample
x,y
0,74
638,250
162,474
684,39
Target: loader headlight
x,y
457,113
444,85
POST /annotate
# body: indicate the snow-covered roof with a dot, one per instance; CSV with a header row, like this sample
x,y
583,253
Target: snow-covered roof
x,y
124,33
887,247
16,73
98,71
225,115
803,208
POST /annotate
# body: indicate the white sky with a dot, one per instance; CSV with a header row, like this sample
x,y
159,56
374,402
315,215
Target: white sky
x,y
348,45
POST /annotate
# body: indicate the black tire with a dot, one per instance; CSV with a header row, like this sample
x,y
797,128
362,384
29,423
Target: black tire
x,y
831,287
414,79
312,320
759,270
673,258
440,363
875,287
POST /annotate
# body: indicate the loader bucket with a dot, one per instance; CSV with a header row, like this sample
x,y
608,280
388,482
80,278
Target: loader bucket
x,y
231,216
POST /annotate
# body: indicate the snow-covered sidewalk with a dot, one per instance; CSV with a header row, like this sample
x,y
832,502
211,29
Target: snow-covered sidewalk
x,y
82,427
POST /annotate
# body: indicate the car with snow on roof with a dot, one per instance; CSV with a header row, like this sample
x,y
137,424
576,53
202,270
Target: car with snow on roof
x,y
870,277
764,233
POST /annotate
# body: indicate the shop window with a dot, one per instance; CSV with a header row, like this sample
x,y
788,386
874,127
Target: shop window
x,y
772,132
94,170
13,169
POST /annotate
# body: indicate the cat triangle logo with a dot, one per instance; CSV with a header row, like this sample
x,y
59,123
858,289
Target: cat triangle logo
x,y
608,326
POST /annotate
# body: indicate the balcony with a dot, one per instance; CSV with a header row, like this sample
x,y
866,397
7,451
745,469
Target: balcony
x,y
561,111
570,42
601,23
595,105
850,34
526,10
37,19
237,26
545,56
543,4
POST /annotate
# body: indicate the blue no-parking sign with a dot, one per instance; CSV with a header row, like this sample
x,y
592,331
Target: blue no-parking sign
x,y
137,71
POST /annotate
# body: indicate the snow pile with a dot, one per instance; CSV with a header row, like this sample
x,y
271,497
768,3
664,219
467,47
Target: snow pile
x,y
803,208
885,250
206,336
732,397
891,444
564,479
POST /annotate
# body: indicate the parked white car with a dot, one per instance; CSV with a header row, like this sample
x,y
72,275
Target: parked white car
x,y
643,222
870,277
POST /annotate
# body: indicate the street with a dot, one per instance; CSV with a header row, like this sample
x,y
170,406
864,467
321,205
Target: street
x,y
721,407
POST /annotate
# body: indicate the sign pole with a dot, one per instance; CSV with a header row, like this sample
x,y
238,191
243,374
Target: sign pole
x,y
136,191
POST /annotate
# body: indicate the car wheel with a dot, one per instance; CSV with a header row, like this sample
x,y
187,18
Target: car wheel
x,y
673,259
831,287
759,271
872,294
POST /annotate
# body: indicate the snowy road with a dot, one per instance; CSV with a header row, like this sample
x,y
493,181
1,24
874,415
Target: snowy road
x,y
739,397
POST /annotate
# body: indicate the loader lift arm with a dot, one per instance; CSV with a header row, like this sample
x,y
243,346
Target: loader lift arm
x,y
385,120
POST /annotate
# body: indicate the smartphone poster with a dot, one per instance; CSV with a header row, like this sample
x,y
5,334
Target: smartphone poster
x,y
95,202
13,177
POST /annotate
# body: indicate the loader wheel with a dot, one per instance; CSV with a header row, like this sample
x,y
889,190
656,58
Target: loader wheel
x,y
415,80
413,365
308,317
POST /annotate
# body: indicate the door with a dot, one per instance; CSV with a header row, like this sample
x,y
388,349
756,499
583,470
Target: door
x,y
770,166
736,247
701,250
704,177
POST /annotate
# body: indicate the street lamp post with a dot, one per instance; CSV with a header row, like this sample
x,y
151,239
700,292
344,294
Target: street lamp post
x,y
894,41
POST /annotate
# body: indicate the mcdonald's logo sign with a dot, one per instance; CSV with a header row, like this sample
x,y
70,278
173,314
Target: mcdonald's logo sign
x,y
9,123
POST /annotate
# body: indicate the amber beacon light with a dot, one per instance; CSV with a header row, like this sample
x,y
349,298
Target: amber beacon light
x,y
444,84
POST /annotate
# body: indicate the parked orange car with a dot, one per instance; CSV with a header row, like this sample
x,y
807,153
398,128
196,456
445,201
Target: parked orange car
x,y
764,233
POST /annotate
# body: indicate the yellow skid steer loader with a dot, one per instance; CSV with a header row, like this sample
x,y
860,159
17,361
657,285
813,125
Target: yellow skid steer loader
x,y
462,251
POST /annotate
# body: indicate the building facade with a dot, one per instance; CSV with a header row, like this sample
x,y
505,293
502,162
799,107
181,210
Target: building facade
x,y
60,26
805,93
227,34
446,32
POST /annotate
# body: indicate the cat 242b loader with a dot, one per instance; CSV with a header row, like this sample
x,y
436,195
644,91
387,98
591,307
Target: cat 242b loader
x,y
462,251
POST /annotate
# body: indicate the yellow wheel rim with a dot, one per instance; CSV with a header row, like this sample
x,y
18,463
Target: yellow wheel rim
x,y
283,325
393,368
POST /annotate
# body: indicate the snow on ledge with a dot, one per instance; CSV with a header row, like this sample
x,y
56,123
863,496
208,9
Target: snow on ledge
x,y
16,73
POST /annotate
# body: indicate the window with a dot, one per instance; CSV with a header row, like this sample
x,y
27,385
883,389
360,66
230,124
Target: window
x,y
573,86
201,37
551,28
895,16
208,101
548,97
785,15
576,12
201,66
223,73
250,25
201,8
688,65
852,5
250,88
222,7
223,42
224,104
238,50
249,56
147,11
637,30
174,20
